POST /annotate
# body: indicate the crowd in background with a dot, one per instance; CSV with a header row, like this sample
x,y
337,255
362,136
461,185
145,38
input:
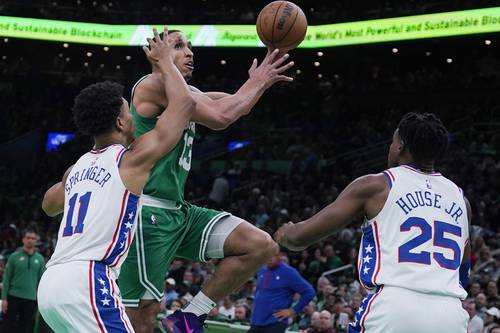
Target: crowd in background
x,y
324,132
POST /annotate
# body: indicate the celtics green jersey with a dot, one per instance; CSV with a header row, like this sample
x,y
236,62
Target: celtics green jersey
x,y
168,176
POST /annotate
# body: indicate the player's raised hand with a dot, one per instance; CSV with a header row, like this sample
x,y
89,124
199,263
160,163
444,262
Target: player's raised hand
x,y
271,69
160,49
281,237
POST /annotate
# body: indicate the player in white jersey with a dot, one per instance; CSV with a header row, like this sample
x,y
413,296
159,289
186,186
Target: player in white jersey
x,y
414,254
99,195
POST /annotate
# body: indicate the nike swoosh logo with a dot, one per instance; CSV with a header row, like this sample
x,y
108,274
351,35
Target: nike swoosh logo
x,y
188,329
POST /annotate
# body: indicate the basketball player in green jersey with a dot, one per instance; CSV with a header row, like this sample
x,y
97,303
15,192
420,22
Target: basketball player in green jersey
x,y
168,226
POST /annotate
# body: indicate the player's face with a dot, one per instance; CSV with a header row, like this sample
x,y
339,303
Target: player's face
x,y
124,122
395,150
183,56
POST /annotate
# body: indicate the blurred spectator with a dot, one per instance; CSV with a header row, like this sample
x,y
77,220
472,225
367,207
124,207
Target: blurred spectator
x,y
485,259
241,315
20,283
475,322
332,260
227,309
324,324
277,283
474,289
169,294
492,320
481,305
305,317
492,293
215,315
176,304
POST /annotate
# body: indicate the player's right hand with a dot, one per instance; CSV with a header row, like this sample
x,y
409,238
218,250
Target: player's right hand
x,y
160,50
5,306
271,69
281,237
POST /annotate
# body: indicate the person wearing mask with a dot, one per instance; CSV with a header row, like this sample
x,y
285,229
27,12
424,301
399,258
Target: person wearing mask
x,y
20,283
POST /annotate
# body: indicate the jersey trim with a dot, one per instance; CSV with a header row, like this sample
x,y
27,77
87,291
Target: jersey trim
x,y
92,299
120,156
124,230
388,176
135,86
359,325
379,257
118,305
102,150
369,308
106,303
369,262
420,172
117,226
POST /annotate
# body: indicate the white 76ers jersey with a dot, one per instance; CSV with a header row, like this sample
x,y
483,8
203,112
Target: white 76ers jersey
x,y
417,240
99,212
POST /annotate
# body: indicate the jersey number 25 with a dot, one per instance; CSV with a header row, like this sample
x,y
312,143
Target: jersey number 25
x,y
439,240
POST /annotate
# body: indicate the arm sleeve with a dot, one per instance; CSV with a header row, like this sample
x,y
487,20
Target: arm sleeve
x,y
7,275
299,285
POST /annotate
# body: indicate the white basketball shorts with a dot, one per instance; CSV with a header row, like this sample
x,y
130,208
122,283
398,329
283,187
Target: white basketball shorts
x,y
82,296
399,310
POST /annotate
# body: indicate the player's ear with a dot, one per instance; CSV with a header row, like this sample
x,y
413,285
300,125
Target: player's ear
x,y
119,124
401,146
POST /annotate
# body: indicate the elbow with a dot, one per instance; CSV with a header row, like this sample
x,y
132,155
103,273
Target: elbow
x,y
188,103
48,207
221,122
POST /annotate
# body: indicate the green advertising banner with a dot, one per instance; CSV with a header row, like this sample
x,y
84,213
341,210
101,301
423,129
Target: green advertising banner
x,y
456,23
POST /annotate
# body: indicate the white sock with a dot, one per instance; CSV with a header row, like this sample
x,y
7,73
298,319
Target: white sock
x,y
200,304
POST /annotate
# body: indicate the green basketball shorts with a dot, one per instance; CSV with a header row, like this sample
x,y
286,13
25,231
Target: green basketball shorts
x,y
165,229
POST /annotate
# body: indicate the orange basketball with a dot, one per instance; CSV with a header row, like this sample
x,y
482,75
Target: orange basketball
x,y
282,25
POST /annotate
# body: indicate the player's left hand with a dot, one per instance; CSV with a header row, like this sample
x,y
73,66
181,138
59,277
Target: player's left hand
x,y
271,69
285,313
160,49
281,237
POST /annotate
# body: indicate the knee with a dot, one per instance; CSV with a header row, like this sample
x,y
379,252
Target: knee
x,y
265,247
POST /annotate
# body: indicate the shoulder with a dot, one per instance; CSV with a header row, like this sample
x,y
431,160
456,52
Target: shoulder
x,y
14,255
371,184
149,85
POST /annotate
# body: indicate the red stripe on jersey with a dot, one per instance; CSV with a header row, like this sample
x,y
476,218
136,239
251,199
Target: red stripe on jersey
x,y
117,225
368,309
91,289
392,176
120,154
117,301
378,253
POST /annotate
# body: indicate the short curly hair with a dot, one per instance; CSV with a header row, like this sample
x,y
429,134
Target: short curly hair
x,y
424,135
97,106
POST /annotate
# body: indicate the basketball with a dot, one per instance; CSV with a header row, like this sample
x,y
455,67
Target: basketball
x,y
282,25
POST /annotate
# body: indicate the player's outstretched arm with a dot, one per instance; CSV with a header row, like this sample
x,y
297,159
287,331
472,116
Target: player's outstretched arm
x,y
366,194
218,110
53,200
150,147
